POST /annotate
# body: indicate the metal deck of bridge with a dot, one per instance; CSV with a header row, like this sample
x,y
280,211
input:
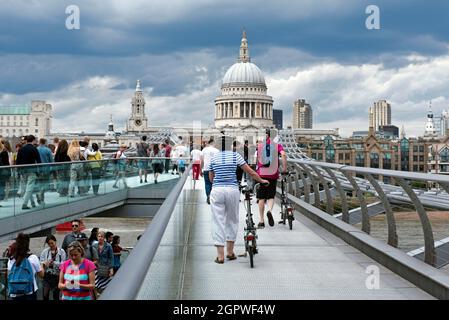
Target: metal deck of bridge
x,y
305,263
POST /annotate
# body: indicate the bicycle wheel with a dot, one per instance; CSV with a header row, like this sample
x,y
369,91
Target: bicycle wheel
x,y
284,215
251,256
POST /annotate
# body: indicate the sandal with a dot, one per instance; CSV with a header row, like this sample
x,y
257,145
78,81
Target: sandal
x,y
218,261
231,257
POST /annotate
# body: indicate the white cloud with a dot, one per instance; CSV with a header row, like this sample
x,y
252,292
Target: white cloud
x,y
340,94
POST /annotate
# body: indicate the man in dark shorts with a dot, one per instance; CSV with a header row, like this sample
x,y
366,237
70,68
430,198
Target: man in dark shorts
x,y
268,154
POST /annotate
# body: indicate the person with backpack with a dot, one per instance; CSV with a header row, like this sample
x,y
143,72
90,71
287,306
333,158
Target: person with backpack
x,y
268,153
51,258
22,269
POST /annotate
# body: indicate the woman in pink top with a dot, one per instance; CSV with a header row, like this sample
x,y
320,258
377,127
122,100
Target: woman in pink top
x,y
77,276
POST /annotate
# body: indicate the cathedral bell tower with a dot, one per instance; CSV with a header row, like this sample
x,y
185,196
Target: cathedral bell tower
x,y
137,122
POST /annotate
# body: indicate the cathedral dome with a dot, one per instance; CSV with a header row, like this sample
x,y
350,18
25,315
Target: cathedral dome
x,y
244,73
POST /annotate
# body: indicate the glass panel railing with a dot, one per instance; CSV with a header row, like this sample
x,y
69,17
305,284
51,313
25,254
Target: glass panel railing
x,y
36,187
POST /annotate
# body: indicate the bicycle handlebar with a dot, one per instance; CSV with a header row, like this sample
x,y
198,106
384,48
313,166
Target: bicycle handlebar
x,y
254,188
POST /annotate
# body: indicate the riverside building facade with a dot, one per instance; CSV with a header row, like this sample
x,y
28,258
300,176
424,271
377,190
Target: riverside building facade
x,y
35,119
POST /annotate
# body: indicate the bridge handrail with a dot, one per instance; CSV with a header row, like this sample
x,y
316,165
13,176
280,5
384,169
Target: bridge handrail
x,y
317,178
126,283
58,164
384,172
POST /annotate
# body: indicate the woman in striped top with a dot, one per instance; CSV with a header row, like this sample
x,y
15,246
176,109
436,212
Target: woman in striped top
x,y
225,196
77,276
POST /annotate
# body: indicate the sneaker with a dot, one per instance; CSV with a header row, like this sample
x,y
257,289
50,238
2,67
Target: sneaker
x,y
146,181
270,219
155,181
25,208
208,200
141,181
115,187
261,225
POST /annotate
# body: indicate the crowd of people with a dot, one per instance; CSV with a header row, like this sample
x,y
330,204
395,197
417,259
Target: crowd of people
x,y
73,178
34,179
80,269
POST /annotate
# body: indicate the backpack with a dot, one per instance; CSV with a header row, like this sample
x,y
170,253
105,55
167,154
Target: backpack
x,y
21,278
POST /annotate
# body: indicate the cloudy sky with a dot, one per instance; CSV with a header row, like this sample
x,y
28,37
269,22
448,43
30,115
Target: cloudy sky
x,y
180,49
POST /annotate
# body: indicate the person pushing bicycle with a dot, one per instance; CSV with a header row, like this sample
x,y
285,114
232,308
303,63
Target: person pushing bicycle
x,y
268,153
225,196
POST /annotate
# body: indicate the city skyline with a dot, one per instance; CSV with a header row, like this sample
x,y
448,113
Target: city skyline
x,y
322,53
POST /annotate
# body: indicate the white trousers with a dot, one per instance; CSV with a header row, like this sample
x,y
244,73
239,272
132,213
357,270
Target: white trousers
x,y
224,202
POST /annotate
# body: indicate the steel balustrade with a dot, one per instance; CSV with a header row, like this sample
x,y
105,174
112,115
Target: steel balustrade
x,y
343,180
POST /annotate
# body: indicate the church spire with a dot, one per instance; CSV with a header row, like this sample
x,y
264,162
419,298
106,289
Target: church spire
x,y
244,51
403,132
138,89
111,125
430,127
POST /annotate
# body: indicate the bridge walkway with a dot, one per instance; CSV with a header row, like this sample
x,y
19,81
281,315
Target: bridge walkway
x,y
305,263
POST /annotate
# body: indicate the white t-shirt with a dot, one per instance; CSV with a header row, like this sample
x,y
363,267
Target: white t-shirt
x,y
182,151
36,266
196,156
208,154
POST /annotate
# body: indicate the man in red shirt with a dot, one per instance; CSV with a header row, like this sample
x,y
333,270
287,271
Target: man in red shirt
x,y
268,168
167,155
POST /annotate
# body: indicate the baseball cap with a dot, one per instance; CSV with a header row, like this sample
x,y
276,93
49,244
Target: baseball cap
x,y
81,236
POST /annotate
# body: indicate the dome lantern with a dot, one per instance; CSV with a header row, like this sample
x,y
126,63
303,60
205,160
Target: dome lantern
x,y
244,50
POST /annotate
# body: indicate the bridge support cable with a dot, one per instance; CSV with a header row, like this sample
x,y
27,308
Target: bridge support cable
x,y
391,221
305,183
297,189
429,244
342,193
329,202
315,184
366,227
